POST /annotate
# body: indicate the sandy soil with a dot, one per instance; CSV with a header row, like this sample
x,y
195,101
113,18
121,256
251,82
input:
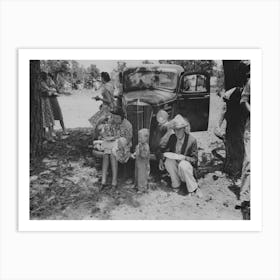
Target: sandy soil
x,y
65,184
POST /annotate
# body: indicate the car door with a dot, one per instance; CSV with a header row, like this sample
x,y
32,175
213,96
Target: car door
x,y
193,99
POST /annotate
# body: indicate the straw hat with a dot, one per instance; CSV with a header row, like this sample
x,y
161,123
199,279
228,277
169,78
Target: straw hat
x,y
179,122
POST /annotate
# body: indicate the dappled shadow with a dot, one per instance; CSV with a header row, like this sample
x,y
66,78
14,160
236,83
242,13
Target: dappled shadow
x,y
66,148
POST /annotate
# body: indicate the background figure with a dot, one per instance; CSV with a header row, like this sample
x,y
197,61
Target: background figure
x,y
142,160
57,114
162,132
245,178
47,113
107,92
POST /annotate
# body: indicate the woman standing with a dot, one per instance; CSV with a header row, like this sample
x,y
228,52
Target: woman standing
x,y
57,114
107,92
47,113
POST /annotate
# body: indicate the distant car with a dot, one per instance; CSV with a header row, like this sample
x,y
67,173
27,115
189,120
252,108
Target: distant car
x,y
148,88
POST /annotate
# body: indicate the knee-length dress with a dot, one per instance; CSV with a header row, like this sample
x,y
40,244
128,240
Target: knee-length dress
x,y
57,113
47,113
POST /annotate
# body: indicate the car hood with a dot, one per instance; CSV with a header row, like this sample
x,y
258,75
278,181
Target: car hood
x,y
152,97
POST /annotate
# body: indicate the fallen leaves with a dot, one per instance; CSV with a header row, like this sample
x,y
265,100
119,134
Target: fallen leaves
x,y
65,179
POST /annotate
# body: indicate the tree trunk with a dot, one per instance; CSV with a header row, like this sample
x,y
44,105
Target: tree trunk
x,y
235,119
36,124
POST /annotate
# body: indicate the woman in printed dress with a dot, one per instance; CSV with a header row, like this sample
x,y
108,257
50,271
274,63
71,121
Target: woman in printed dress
x,y
47,113
117,135
107,92
57,114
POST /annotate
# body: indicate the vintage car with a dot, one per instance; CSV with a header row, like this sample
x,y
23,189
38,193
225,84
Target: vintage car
x,y
147,88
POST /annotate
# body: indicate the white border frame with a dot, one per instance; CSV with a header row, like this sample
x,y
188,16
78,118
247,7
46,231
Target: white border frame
x,y
25,224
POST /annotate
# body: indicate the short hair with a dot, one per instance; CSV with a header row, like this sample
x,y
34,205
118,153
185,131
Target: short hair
x,y
143,131
105,76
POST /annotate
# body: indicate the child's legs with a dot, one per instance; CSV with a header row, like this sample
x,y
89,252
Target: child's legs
x,y
142,175
51,131
62,125
114,165
105,165
48,133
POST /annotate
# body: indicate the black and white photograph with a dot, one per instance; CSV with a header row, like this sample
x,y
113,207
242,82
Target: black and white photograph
x,y
130,146
139,139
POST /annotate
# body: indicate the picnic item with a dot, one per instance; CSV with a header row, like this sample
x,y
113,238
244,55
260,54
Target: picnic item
x,y
174,156
110,138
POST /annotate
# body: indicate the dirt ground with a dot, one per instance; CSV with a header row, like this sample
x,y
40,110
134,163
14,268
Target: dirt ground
x,y
65,182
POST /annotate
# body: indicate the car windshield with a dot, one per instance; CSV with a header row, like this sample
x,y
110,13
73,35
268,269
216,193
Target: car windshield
x,y
142,78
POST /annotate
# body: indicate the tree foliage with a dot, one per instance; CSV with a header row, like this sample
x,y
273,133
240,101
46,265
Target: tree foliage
x,y
78,72
193,65
56,66
93,71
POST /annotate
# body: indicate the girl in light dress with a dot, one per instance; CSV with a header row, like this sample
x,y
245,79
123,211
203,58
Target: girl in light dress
x,y
142,161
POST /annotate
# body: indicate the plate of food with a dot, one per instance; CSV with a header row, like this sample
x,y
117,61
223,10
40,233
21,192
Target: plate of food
x,y
97,142
174,156
110,138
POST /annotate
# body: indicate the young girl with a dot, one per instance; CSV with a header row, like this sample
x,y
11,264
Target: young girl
x,y
142,160
121,150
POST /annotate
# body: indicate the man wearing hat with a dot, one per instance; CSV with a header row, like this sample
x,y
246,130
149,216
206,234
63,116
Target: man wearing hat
x,y
181,171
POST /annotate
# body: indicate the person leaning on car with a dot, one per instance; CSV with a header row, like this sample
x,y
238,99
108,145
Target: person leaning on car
x,y
181,172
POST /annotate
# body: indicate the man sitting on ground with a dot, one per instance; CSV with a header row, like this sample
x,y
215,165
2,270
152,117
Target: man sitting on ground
x,y
181,172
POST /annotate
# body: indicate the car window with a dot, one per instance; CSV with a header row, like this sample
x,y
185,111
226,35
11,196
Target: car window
x,y
193,83
138,80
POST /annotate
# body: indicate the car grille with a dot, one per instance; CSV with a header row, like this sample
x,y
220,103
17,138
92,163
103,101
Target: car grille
x,y
140,117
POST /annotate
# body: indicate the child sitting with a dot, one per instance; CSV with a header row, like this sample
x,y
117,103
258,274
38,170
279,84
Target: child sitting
x,y
122,150
142,160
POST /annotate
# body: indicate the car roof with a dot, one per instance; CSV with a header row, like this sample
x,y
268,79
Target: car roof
x,y
173,67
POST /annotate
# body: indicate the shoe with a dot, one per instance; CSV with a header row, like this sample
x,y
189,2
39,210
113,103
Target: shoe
x,y
103,187
114,188
183,191
198,193
245,204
